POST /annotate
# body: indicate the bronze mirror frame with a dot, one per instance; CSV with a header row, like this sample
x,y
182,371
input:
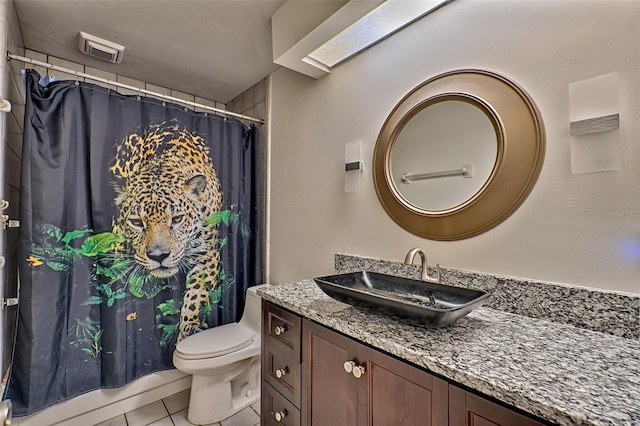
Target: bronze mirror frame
x,y
521,146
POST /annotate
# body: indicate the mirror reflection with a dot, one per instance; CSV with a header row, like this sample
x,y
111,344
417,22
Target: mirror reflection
x,y
443,155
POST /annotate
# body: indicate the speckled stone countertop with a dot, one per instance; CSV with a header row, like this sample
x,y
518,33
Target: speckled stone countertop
x,y
558,372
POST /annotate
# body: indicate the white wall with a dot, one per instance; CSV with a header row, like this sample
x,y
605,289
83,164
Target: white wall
x,y
568,230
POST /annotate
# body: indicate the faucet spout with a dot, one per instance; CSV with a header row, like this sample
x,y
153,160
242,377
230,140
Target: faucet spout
x,y
424,276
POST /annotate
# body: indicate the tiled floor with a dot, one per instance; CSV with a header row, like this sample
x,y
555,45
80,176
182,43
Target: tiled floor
x,y
172,411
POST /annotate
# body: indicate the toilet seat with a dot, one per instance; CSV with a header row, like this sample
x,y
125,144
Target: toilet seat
x,y
215,342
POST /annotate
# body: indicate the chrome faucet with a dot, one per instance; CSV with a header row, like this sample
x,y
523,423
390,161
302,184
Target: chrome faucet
x,y
425,266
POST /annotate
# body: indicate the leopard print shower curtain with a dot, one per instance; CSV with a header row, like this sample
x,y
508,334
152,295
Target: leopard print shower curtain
x,y
140,226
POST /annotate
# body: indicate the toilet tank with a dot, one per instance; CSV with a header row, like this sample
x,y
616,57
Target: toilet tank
x,y
251,316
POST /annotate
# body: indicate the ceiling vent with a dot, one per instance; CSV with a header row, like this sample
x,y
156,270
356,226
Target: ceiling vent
x,y
101,48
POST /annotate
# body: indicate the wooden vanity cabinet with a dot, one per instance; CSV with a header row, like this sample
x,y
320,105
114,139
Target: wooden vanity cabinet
x,y
469,409
372,389
313,376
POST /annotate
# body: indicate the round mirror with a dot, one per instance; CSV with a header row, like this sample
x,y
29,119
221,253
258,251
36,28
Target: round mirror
x,y
444,155
458,154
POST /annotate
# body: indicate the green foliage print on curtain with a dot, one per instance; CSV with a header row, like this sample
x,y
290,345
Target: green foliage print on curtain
x,y
140,227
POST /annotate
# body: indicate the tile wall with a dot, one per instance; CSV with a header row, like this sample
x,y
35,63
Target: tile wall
x,y
11,148
254,102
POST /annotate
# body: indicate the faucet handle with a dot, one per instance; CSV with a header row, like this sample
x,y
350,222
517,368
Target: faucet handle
x,y
438,277
438,274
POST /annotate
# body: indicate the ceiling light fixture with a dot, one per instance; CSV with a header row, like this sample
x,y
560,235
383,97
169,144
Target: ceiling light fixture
x,y
383,21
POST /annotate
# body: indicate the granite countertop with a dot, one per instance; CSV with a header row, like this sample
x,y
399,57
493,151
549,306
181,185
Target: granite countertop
x,y
560,373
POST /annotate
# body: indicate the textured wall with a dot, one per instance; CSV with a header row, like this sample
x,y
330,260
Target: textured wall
x,y
568,230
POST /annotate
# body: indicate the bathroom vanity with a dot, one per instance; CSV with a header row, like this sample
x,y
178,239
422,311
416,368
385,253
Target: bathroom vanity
x,y
329,363
348,383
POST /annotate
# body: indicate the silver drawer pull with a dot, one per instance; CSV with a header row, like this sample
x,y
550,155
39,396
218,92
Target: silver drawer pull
x,y
281,372
348,366
280,415
278,330
358,371
352,368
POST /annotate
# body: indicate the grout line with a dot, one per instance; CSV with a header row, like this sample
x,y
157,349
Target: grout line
x,y
165,407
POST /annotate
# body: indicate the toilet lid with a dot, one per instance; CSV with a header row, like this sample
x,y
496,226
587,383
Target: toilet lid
x,y
215,342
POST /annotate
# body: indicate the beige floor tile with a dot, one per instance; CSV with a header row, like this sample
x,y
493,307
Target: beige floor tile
x,y
163,422
173,411
180,419
146,415
116,421
245,417
178,401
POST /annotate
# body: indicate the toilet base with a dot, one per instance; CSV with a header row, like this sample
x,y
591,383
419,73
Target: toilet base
x,y
212,400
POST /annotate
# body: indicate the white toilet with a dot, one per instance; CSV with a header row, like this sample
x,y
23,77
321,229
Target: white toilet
x,y
225,364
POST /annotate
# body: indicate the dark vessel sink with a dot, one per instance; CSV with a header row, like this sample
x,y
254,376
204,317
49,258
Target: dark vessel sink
x,y
419,301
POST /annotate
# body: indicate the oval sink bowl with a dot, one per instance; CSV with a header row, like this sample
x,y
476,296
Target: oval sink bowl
x,y
419,301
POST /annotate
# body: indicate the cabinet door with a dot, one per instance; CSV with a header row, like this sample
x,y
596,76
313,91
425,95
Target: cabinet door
x,y
386,392
402,395
468,409
331,394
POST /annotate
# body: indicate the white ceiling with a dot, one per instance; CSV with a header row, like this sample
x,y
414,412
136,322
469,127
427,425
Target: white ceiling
x,y
215,49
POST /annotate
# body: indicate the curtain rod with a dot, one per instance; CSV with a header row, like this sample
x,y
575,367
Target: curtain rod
x,y
11,56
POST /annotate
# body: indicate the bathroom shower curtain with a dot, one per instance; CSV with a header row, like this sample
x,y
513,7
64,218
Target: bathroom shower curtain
x,y
139,227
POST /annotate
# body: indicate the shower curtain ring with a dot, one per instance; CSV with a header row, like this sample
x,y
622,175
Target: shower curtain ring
x,y
164,103
139,91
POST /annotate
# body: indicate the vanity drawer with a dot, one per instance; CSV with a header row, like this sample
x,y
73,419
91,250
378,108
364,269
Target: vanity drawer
x,y
277,410
281,359
281,326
